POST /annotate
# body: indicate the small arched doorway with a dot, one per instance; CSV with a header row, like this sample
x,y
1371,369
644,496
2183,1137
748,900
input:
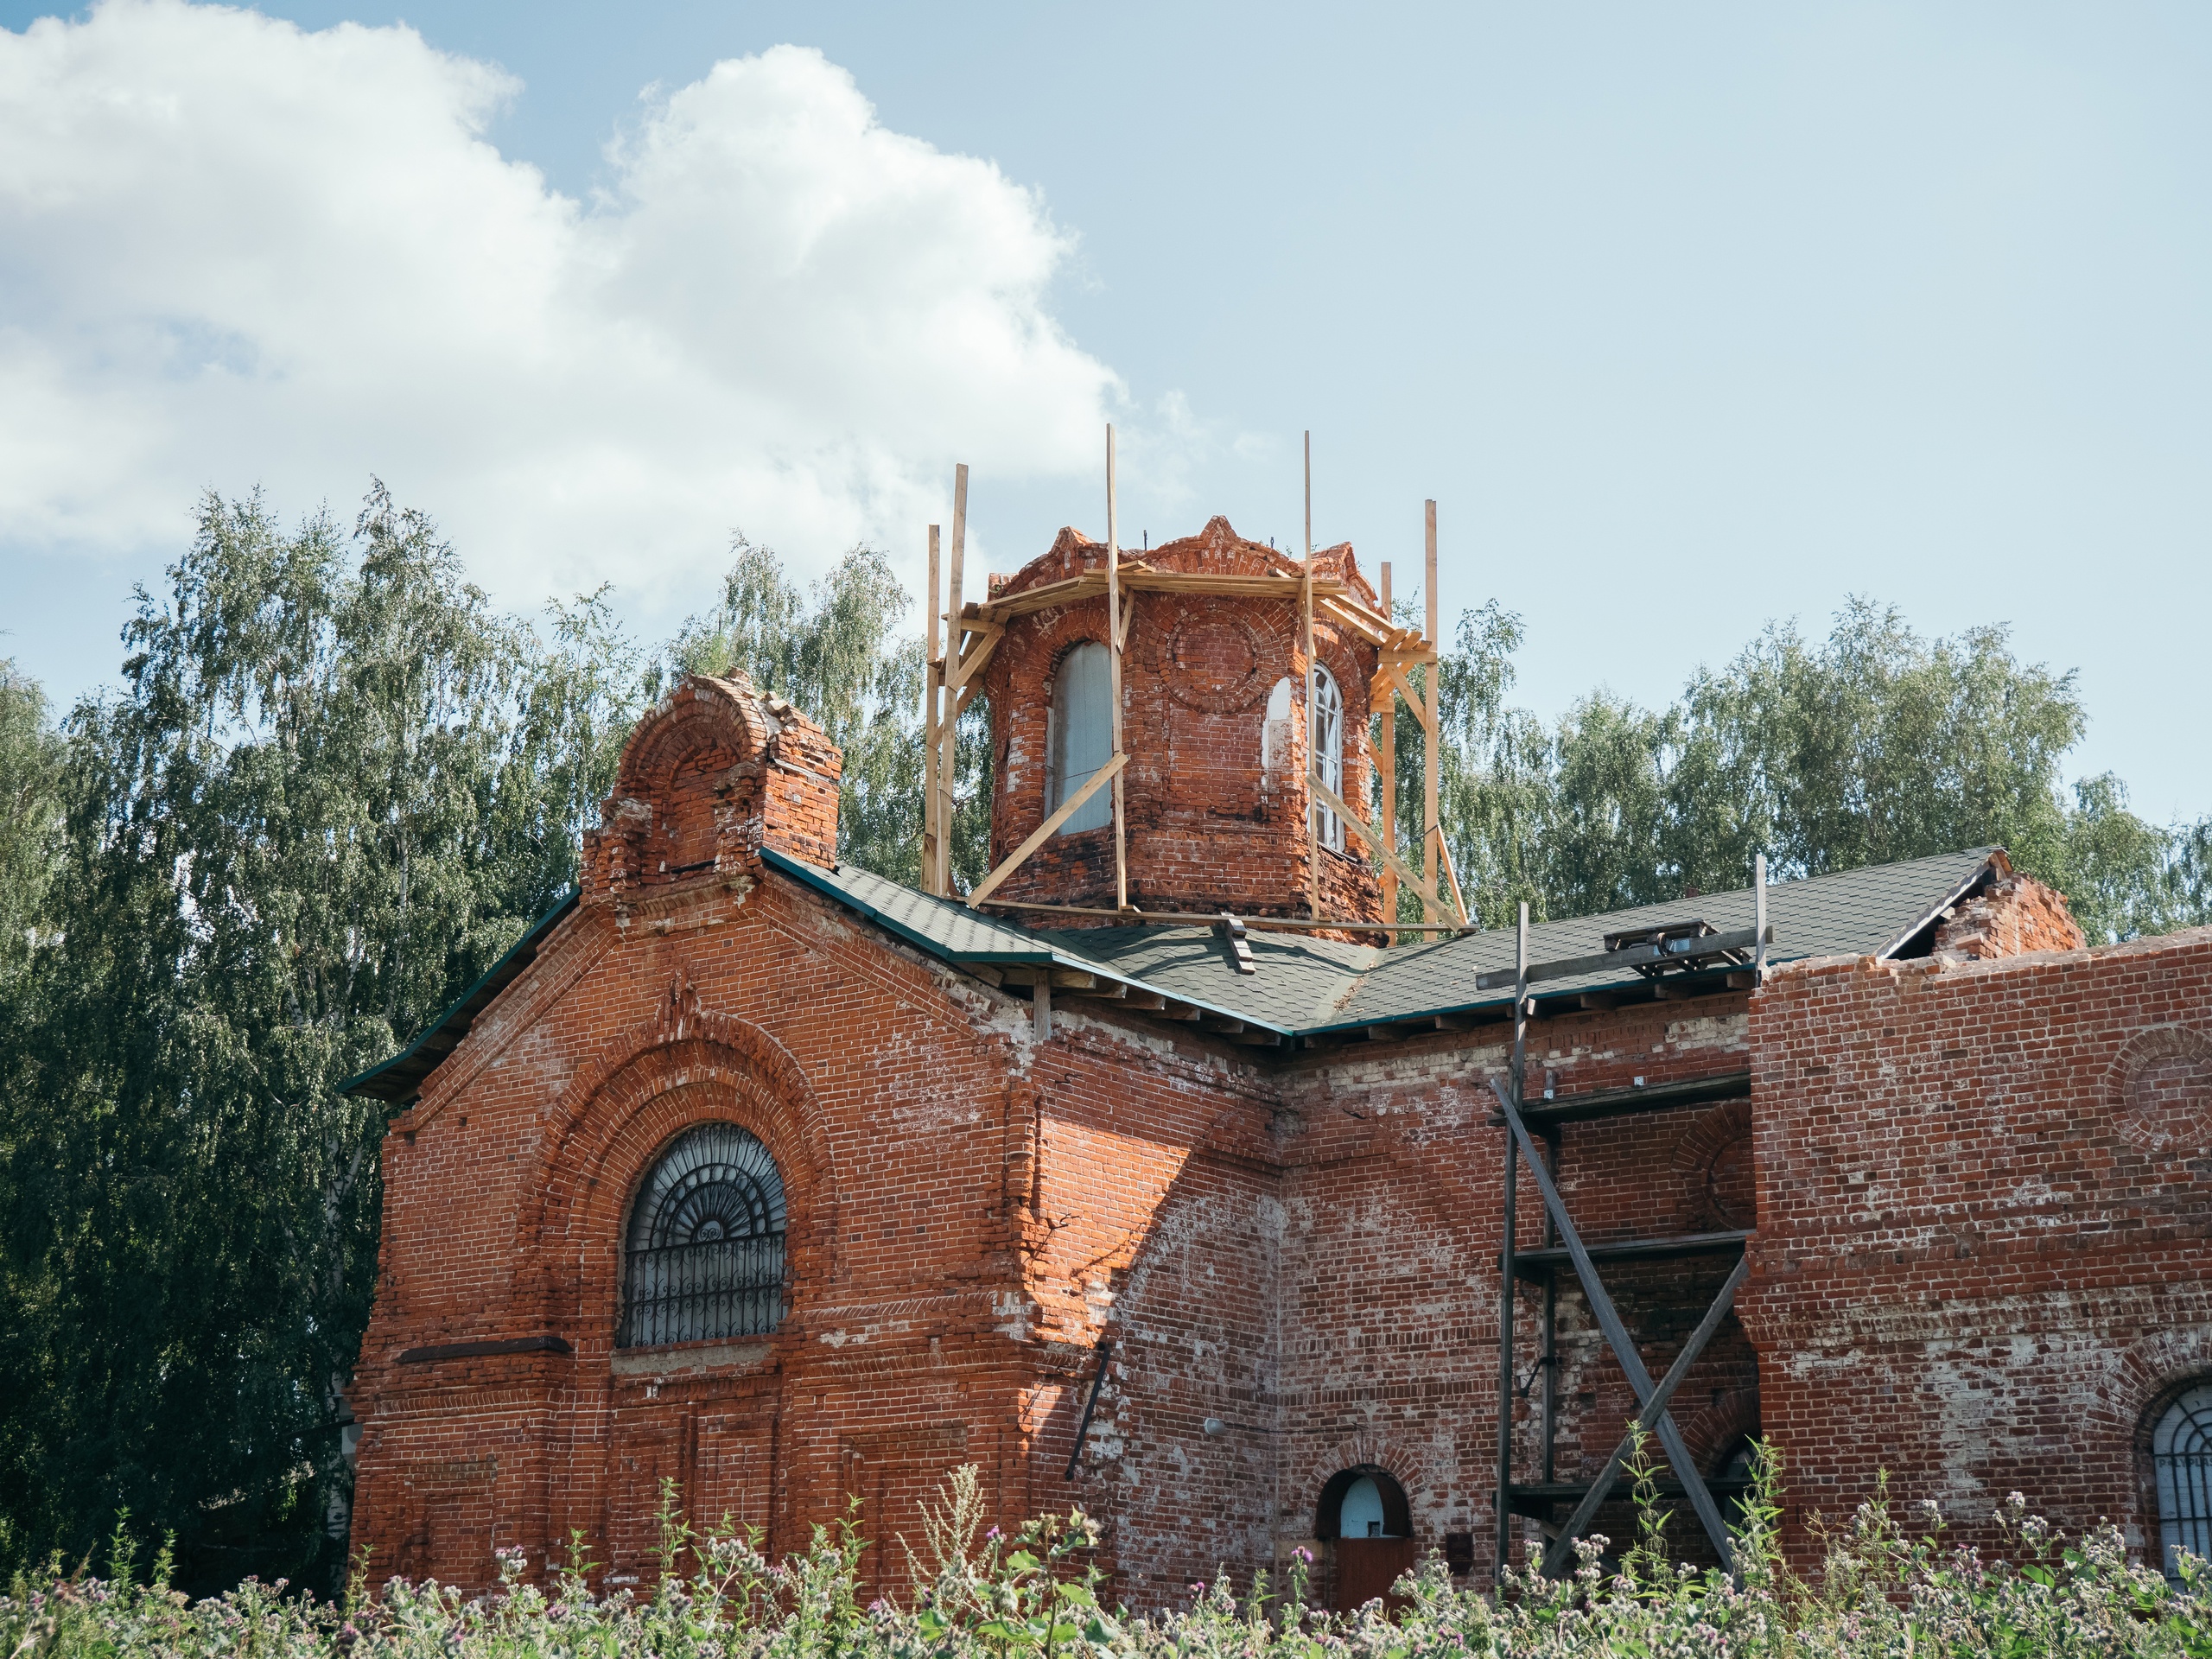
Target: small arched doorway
x,y
1363,1512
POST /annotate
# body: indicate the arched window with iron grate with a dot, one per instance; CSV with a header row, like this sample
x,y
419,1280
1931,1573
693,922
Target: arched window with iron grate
x,y
704,1258
2181,1453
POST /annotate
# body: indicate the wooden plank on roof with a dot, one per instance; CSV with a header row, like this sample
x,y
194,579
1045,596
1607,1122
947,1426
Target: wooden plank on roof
x,y
1088,585
1104,775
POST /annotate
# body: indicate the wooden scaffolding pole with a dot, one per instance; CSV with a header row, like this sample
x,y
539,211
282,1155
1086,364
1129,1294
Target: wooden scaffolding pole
x,y
1506,1275
1388,768
932,684
1113,656
949,726
1313,756
1429,756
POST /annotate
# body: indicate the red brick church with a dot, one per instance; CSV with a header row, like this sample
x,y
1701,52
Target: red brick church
x,y
1164,1180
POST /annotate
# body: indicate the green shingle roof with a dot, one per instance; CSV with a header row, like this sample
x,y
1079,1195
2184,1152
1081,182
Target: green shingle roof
x,y
1306,985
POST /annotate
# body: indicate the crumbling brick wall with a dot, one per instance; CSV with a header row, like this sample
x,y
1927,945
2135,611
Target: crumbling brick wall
x,y
1393,1207
2014,915
1984,1198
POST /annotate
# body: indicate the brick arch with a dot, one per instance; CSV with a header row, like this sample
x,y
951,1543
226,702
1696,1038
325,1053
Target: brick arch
x,y
1715,1134
702,713
1361,1451
2159,1089
2154,1371
1707,1434
1019,694
683,1067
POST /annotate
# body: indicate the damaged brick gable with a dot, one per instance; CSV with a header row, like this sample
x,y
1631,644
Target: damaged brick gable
x,y
1214,707
2014,915
712,774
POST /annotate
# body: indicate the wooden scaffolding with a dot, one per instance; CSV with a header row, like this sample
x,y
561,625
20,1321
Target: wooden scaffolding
x,y
971,633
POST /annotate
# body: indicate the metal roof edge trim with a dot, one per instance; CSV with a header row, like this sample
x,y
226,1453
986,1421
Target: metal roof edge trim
x,y
531,935
808,875
1631,982
1988,854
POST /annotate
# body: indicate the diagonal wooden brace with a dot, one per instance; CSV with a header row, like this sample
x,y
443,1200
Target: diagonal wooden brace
x,y
1587,1511
1662,1422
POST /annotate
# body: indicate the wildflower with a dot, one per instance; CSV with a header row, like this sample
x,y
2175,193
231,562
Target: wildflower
x,y
1305,1556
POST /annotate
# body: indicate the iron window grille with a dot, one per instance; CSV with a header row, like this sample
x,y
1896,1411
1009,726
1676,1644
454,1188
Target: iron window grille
x,y
2181,1448
705,1253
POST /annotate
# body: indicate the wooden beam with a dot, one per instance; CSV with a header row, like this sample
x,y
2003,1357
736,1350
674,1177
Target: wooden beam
x,y
948,734
1388,774
969,657
1312,761
1458,898
1357,619
1148,580
1395,678
1391,859
1064,592
1430,758
932,689
1113,660
1138,577
1044,832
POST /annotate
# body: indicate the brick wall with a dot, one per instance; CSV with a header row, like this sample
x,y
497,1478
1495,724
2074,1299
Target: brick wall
x,y
1215,725
1979,1188
2014,915
1984,1201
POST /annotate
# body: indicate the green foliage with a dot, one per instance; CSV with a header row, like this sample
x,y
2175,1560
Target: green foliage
x,y
1872,746
30,814
1884,1591
335,788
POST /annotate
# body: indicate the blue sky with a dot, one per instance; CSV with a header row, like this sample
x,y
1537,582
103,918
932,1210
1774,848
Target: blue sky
x,y
1689,317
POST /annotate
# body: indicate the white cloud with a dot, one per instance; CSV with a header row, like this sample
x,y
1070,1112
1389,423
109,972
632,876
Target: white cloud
x,y
233,250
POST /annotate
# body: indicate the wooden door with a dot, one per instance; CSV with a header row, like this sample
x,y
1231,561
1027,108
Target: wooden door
x,y
1367,1568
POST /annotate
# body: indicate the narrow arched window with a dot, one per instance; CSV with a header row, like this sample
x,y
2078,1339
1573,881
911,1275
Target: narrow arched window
x,y
1328,732
1082,736
705,1251
2181,1449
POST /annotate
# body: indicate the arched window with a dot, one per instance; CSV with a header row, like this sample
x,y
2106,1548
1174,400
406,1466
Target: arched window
x,y
1363,1501
2181,1449
705,1253
1082,736
1327,709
